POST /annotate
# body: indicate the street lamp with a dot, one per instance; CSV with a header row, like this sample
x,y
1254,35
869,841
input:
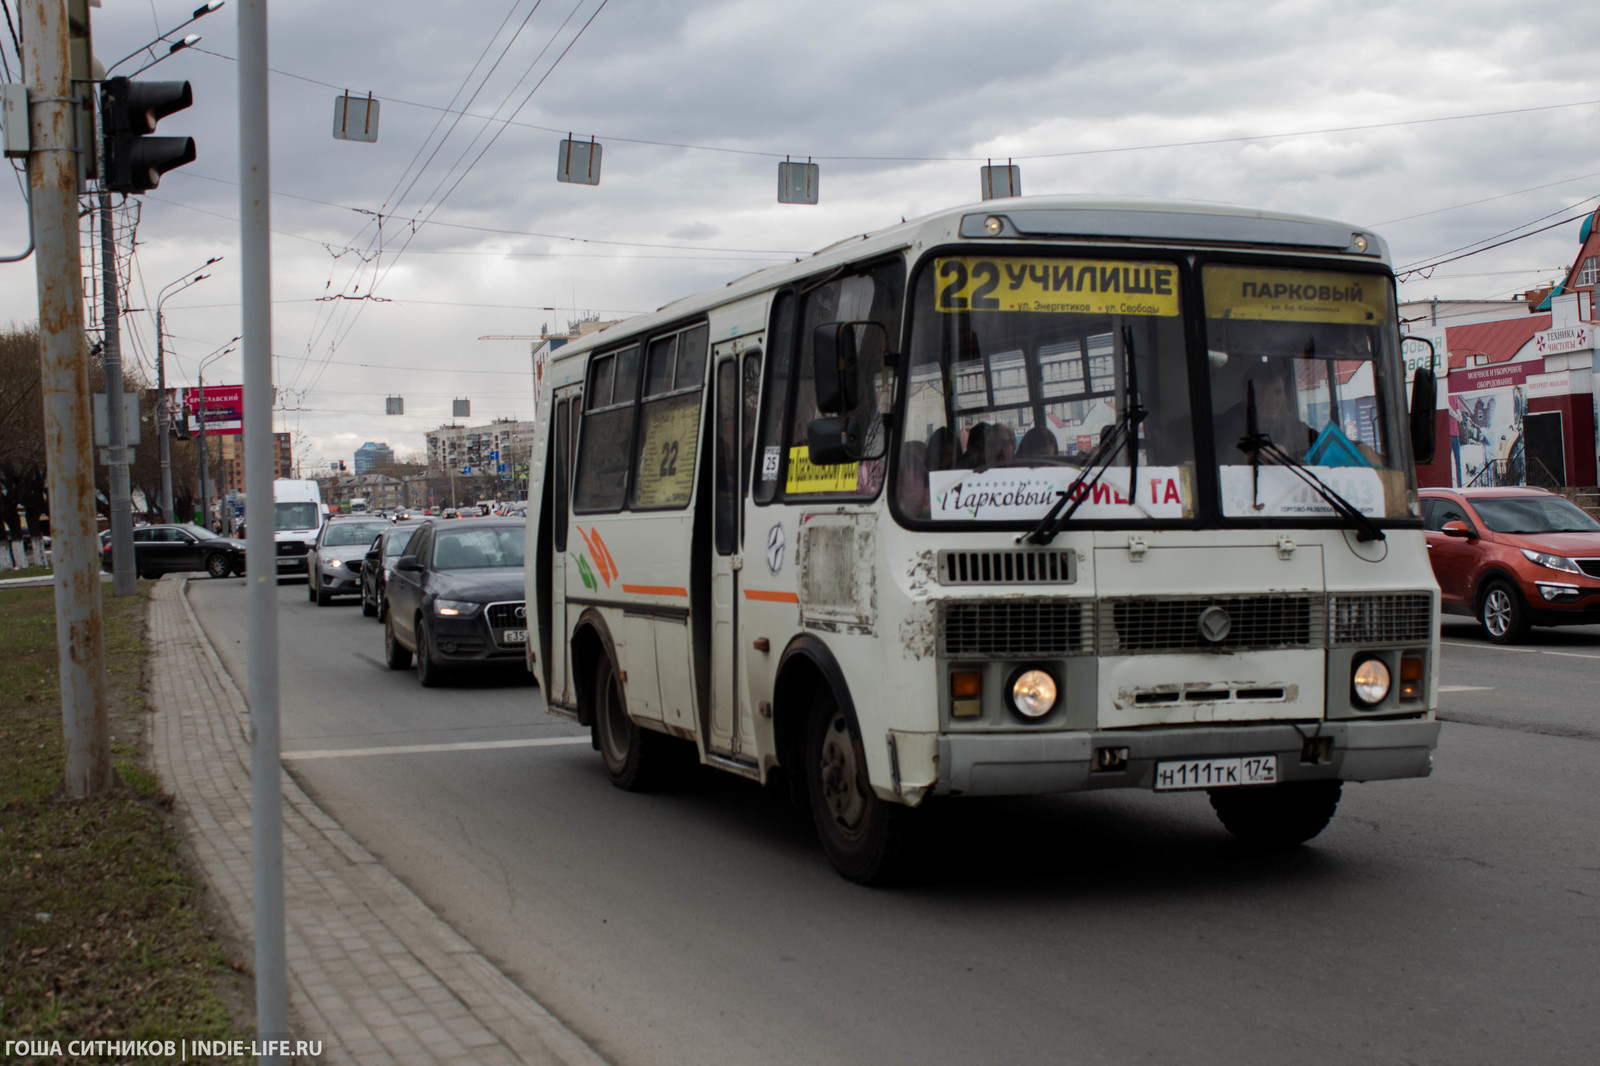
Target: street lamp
x,y
163,417
200,376
188,41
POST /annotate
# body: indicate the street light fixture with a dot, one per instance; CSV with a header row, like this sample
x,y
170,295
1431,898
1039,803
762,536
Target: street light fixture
x,y
188,42
163,415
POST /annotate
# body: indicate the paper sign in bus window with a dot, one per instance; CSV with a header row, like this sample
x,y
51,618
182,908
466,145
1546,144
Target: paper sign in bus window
x,y
666,457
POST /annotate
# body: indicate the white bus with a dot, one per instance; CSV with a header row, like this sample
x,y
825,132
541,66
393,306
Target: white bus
x,y
1032,496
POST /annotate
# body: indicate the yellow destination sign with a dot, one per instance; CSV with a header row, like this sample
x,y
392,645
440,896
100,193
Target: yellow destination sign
x,y
806,476
1296,296
666,459
1056,286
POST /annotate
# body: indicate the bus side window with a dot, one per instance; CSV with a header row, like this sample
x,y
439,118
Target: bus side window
x,y
775,399
752,395
724,483
605,446
669,420
562,470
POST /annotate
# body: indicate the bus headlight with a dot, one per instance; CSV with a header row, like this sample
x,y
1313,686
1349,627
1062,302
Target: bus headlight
x,y
1033,693
1370,682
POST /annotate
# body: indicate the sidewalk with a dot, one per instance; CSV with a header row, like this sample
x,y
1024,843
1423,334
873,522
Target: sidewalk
x,y
373,973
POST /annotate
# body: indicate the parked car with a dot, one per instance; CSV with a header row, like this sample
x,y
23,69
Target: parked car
x,y
174,548
385,548
333,563
455,597
1513,558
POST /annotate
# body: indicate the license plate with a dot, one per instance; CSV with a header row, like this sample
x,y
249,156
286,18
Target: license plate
x,y
1217,773
514,636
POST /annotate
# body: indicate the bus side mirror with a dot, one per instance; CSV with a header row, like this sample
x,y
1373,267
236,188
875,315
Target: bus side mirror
x,y
832,441
835,366
1423,415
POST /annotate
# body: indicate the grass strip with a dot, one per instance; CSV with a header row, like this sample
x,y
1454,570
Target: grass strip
x,y
102,935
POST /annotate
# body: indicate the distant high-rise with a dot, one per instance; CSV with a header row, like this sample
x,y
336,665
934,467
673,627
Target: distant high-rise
x,y
371,455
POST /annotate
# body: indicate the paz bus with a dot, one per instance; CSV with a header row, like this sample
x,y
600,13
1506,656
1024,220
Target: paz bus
x,y
1032,496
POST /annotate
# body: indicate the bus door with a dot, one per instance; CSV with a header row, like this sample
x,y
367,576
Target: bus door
x,y
564,433
735,375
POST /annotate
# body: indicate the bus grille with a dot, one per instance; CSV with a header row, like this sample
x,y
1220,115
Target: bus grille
x,y
1008,567
1172,624
1018,628
1384,619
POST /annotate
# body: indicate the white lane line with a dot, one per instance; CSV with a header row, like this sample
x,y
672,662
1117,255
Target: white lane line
x,y
1522,651
425,749
1465,688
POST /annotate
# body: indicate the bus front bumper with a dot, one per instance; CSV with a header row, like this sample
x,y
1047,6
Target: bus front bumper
x,y
1015,764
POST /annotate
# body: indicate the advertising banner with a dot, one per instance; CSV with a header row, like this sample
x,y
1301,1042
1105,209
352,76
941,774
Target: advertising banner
x,y
224,408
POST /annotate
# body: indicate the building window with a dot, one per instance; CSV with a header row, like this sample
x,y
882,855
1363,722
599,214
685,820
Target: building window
x,y
1589,272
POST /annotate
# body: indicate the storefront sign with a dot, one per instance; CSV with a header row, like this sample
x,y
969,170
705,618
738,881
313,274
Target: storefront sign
x,y
1565,339
1490,377
1556,384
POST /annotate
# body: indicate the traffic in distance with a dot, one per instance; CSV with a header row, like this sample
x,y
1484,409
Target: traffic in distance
x,y
1058,496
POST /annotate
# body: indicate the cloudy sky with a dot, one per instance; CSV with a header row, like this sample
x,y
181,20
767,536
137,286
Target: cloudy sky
x,y
1438,125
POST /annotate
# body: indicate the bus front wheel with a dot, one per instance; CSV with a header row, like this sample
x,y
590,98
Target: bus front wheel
x,y
862,834
1277,816
632,755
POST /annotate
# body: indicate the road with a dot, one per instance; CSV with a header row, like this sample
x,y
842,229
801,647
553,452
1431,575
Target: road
x,y
1449,920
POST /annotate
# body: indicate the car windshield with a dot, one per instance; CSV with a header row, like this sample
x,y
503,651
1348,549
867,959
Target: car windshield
x,y
344,534
1301,357
1019,365
300,515
1533,514
484,547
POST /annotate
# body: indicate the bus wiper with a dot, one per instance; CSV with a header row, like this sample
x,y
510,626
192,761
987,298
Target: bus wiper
x,y
1125,431
1257,444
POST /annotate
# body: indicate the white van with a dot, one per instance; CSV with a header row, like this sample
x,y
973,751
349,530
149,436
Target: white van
x,y
296,518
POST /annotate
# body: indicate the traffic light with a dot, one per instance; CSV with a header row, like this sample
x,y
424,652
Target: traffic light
x,y
135,161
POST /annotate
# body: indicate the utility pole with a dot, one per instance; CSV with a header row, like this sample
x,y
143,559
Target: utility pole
x,y
163,421
64,382
201,446
124,575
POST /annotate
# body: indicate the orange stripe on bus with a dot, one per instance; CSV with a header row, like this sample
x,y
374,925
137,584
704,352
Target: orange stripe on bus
x,y
656,590
771,597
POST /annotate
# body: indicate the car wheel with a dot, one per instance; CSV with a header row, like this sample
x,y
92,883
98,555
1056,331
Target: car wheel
x,y
323,596
1502,614
634,757
368,608
217,565
1276,816
383,604
311,588
394,653
427,669
862,835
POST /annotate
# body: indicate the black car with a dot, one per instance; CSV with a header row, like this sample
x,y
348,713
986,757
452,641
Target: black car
x,y
456,597
333,562
385,548
174,548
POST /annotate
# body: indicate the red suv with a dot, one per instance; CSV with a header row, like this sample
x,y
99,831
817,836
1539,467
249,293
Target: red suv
x,y
1513,557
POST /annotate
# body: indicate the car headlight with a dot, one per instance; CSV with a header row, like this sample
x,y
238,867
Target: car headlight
x,y
455,608
1033,693
1370,682
1554,562
334,564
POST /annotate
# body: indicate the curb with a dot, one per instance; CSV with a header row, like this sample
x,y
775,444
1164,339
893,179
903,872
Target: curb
x,y
373,972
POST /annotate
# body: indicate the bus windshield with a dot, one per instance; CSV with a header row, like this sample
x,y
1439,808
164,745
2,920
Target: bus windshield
x,y
1307,354
1019,367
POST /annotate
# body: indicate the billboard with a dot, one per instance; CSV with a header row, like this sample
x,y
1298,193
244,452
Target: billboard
x,y
224,406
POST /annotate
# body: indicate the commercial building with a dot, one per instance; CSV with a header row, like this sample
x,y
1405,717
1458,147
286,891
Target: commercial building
x,y
371,455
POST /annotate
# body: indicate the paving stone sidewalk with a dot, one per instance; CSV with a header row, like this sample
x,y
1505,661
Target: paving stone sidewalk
x,y
372,971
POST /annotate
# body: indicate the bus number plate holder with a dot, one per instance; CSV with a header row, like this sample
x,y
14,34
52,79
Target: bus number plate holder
x,y
1216,773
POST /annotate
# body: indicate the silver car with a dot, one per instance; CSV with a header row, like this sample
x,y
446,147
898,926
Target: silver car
x,y
333,564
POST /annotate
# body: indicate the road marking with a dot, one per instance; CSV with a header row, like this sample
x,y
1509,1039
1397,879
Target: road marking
x,y
425,749
1465,688
1521,651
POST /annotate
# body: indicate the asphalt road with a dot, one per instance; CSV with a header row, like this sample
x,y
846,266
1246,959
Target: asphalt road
x,y
1454,919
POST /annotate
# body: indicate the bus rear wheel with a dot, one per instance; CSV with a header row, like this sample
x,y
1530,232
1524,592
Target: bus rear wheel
x,y
633,756
862,835
1277,816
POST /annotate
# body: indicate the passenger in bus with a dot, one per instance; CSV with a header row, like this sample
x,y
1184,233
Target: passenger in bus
x,y
913,482
1037,442
972,455
941,453
1277,416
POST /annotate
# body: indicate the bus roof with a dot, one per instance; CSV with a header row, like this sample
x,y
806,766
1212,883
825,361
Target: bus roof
x,y
1095,219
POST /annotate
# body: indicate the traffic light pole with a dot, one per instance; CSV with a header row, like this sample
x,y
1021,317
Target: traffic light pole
x,y
124,576
64,383
266,788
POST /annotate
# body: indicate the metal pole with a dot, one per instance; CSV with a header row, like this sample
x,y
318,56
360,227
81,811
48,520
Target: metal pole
x,y
201,408
64,383
125,577
266,797
163,420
